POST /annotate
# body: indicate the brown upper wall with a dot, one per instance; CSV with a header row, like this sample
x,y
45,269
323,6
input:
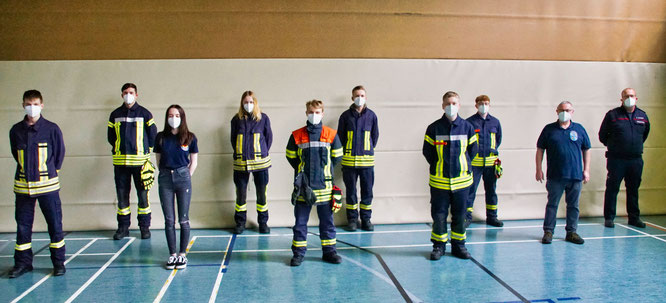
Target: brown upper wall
x,y
593,30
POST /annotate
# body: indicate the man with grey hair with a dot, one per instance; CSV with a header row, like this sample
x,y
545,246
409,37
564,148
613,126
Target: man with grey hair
x,y
623,132
567,147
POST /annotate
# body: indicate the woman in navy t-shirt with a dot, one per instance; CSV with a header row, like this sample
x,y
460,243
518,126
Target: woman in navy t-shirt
x,y
177,150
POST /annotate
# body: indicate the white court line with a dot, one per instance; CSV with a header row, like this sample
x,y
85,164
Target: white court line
x,y
216,287
641,232
48,255
382,276
29,290
421,245
85,285
172,275
68,239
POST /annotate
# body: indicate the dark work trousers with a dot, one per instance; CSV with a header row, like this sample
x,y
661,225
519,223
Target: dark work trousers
x,y
176,183
25,215
489,185
367,177
260,182
571,189
123,176
440,200
326,228
630,170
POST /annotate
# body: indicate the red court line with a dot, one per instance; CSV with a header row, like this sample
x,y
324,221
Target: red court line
x,y
656,226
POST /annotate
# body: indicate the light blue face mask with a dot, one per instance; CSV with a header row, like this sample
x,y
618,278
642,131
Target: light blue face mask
x,y
629,102
564,116
451,111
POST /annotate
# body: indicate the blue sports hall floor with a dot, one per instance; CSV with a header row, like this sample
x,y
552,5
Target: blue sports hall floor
x,y
391,264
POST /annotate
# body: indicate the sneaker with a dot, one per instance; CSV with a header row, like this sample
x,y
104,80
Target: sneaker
x,y
638,223
547,237
145,233
332,258
367,225
609,223
59,270
239,229
437,252
352,226
460,251
121,232
296,260
494,222
171,263
574,238
181,262
264,229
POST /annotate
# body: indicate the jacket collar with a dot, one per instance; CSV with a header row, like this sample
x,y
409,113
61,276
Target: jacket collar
x,y
37,124
355,112
313,127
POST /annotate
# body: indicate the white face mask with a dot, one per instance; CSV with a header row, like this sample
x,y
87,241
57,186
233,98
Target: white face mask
x,y
451,111
564,116
315,118
629,102
483,109
129,98
33,110
359,101
248,107
174,122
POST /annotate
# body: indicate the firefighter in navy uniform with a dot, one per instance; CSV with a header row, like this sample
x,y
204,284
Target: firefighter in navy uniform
x,y
38,148
313,151
131,133
450,143
623,131
251,139
489,137
358,132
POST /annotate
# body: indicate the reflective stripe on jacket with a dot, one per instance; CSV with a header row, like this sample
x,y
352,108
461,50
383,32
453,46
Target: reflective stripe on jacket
x,y
489,137
251,141
131,133
448,148
314,150
39,151
358,134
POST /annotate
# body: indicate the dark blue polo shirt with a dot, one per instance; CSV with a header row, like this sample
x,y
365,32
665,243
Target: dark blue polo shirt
x,y
172,154
564,149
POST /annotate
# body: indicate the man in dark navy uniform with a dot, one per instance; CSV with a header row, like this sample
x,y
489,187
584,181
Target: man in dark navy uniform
x,y
623,132
39,150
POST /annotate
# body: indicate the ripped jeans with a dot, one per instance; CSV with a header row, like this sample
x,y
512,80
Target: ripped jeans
x,y
176,183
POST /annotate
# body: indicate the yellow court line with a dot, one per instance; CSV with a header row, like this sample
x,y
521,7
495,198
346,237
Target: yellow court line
x,y
172,275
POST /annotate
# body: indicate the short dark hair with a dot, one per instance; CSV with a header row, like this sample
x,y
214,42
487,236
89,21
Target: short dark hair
x,y
357,87
32,94
129,85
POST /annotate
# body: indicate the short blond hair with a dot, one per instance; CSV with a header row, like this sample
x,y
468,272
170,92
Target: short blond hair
x,y
450,94
314,104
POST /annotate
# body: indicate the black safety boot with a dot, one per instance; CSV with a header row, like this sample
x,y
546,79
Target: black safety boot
x,y
437,252
145,232
122,232
332,257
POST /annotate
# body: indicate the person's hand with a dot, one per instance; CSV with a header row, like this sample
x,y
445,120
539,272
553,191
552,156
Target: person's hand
x,y
586,176
539,176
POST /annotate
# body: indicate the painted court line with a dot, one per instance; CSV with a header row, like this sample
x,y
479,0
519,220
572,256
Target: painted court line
x,y
500,281
223,269
656,226
68,239
386,279
642,232
29,290
172,275
85,285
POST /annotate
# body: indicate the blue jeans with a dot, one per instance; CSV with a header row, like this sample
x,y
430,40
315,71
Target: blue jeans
x,y
555,190
176,183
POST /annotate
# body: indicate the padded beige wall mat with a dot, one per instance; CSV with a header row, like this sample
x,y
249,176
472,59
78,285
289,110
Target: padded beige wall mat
x,y
405,94
594,30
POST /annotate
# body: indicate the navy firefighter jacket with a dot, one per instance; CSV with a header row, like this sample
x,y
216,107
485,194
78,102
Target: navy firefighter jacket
x,y
131,133
315,150
39,151
251,141
449,147
358,134
624,133
489,136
